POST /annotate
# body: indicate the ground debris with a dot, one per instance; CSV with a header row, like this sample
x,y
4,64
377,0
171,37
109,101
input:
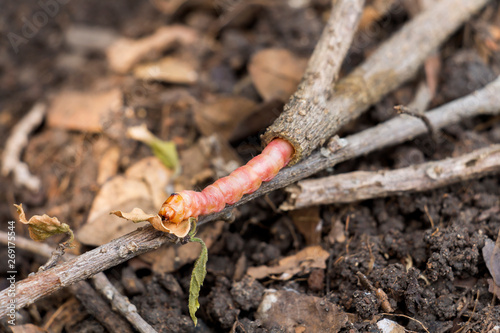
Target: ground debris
x,y
290,311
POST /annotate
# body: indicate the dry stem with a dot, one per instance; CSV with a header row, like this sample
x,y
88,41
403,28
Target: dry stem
x,y
363,185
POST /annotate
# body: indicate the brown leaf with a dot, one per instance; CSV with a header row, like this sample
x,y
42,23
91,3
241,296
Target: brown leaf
x,y
308,222
168,69
125,53
143,185
138,215
491,255
301,262
289,310
83,111
276,73
43,226
223,115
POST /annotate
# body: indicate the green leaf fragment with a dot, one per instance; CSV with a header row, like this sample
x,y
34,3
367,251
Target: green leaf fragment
x,y
166,151
197,278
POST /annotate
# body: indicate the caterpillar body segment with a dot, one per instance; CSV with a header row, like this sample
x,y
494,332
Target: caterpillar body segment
x,y
229,190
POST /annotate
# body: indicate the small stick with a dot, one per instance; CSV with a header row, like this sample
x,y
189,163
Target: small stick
x,y
14,147
87,295
483,102
381,295
401,109
121,304
98,308
82,289
364,185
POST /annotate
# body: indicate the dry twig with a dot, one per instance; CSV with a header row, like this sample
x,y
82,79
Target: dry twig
x,y
88,296
363,185
11,158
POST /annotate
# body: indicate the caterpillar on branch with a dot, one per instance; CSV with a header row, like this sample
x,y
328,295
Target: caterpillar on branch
x,y
228,190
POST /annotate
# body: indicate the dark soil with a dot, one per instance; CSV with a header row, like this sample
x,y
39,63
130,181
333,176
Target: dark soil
x,y
423,250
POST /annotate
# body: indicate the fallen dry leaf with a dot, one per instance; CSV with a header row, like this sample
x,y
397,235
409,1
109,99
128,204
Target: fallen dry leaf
x,y
143,185
301,262
491,255
309,224
43,226
138,215
289,310
223,115
168,69
83,111
276,73
125,53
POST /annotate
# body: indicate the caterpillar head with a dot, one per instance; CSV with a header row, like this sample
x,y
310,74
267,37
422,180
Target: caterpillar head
x,y
172,209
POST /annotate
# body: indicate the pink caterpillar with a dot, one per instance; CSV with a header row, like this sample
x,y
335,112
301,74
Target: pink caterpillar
x,y
228,190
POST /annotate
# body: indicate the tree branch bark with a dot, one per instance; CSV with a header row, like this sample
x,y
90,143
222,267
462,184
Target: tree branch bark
x,y
308,124
363,185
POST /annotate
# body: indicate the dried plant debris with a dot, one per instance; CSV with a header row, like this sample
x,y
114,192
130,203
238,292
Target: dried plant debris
x,y
276,73
491,255
143,185
11,157
168,69
84,111
137,215
125,52
292,311
166,151
301,262
43,226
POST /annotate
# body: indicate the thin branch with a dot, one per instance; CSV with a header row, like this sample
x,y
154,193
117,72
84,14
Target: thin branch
x,y
87,295
14,147
82,290
121,303
98,307
363,185
483,102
